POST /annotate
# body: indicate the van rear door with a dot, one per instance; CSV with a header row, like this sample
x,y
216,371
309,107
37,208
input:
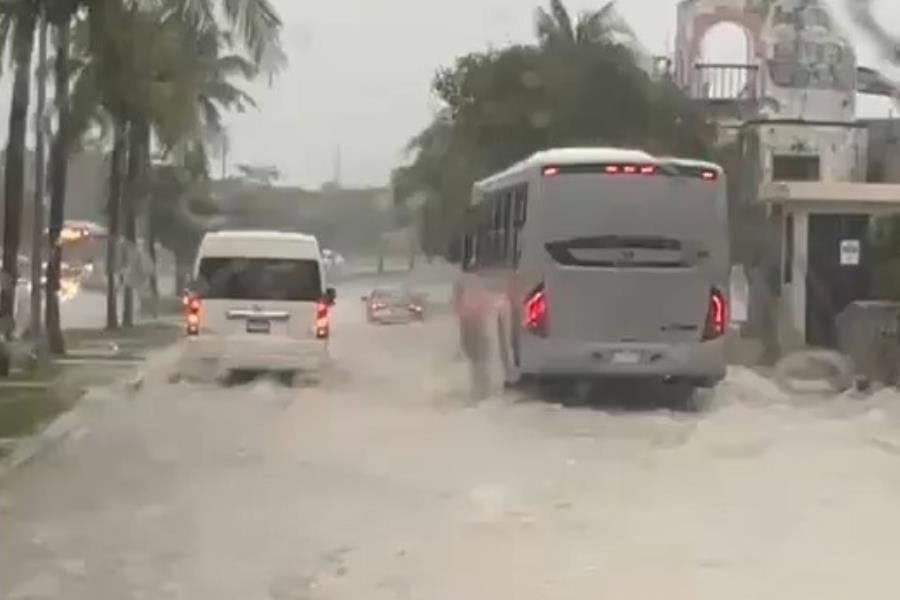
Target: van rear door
x,y
260,297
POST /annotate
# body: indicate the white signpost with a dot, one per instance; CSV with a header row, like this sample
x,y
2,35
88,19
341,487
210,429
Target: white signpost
x,y
850,253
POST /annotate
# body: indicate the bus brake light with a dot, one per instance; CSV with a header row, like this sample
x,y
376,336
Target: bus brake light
x,y
535,312
716,316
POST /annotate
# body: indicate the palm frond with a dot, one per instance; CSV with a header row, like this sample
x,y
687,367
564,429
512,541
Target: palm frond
x,y
563,20
85,106
211,116
260,28
234,64
600,25
7,23
227,95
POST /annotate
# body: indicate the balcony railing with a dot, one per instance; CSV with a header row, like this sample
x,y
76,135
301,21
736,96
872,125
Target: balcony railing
x,y
721,81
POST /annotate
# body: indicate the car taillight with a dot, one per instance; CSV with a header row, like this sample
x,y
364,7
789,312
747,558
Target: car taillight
x,y
192,308
321,325
415,308
534,316
716,316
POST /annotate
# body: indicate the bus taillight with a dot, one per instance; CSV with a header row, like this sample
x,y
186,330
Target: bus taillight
x,y
715,316
534,317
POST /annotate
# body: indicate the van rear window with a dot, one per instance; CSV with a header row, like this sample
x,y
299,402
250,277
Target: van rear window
x,y
259,279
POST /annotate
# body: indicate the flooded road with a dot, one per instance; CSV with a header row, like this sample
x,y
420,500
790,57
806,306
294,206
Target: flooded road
x,y
386,482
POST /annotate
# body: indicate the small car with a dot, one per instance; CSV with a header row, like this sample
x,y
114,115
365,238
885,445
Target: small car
x,y
393,305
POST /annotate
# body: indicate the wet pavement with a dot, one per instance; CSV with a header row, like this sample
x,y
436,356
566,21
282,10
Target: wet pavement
x,y
385,481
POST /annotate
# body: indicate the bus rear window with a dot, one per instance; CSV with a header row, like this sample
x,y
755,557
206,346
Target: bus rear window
x,y
242,278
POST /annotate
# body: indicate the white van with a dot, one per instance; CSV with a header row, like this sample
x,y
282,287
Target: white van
x,y
259,302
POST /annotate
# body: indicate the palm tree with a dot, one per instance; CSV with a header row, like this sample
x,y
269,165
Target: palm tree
x,y
555,28
60,13
153,70
37,232
21,17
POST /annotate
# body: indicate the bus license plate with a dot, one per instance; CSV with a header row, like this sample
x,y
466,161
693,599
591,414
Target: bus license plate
x,y
626,358
258,326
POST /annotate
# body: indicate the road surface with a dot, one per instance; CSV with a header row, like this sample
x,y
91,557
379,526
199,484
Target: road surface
x,y
386,482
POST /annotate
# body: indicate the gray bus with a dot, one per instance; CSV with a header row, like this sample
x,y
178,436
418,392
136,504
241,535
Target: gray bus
x,y
605,263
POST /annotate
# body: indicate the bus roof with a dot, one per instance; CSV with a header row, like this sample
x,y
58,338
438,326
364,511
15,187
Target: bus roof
x,y
587,155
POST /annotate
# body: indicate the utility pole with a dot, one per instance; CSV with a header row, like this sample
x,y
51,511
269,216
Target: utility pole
x,y
37,230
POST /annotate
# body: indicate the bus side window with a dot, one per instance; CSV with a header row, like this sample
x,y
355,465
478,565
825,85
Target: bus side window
x,y
520,207
497,229
508,226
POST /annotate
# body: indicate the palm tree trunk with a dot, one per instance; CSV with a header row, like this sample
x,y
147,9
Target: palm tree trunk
x,y
150,233
14,179
37,231
112,240
129,215
59,169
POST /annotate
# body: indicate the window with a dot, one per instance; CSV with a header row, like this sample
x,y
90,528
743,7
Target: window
x,y
795,168
238,278
497,222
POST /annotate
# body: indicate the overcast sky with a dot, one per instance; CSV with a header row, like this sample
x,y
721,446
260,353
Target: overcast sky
x,y
360,70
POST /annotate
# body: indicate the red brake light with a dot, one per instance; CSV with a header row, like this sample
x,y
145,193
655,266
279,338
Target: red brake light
x,y
535,311
321,325
192,308
611,169
629,169
709,175
648,170
716,316
551,171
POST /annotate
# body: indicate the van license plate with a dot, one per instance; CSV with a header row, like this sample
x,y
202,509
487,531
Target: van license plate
x,y
626,358
258,326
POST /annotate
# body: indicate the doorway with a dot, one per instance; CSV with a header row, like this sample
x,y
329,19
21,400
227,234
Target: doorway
x,y
839,272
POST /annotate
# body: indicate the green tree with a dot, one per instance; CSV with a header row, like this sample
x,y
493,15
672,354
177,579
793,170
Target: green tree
x,y
579,84
157,70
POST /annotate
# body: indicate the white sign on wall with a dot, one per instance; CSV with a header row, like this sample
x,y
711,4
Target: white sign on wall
x,y
850,252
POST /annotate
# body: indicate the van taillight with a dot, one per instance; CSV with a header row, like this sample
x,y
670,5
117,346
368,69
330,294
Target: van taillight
x,y
321,326
716,316
534,316
192,314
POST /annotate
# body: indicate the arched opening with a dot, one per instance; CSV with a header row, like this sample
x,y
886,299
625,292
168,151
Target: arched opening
x,y
725,64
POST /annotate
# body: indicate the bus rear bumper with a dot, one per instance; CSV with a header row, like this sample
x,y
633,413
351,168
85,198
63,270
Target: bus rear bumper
x,y
702,363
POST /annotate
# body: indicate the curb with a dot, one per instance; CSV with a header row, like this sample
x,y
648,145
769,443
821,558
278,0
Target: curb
x,y
61,428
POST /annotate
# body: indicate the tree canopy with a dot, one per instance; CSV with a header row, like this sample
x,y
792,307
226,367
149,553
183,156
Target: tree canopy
x,y
579,83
